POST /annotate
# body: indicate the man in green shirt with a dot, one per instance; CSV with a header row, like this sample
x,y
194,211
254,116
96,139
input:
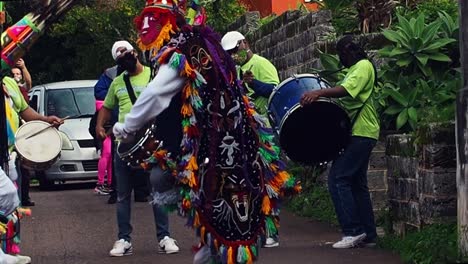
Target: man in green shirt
x,y
258,74
118,96
347,181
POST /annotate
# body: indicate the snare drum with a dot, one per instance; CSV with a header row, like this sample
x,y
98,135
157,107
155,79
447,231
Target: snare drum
x,y
40,151
140,150
312,134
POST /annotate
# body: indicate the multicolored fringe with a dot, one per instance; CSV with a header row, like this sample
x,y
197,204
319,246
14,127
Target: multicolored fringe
x,y
9,231
277,180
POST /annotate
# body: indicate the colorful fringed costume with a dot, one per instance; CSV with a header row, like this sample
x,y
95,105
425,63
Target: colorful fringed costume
x,y
229,172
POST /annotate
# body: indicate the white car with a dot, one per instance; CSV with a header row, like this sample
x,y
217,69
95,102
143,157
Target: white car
x,y
79,158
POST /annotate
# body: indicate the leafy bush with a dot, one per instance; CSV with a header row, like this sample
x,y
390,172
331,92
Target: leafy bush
x,y
435,244
419,79
430,9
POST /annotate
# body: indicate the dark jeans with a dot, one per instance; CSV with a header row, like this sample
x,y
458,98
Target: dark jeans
x,y
347,183
25,179
123,175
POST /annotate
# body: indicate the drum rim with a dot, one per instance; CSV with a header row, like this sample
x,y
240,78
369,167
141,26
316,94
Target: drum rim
x,y
132,150
295,76
56,131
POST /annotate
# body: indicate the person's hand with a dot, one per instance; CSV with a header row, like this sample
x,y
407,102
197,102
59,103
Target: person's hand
x,y
20,64
119,132
101,132
56,121
248,77
310,97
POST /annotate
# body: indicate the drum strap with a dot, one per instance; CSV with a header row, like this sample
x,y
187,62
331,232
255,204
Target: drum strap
x,y
130,91
362,107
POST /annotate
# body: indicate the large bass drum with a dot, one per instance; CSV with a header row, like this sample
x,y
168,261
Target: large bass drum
x,y
312,134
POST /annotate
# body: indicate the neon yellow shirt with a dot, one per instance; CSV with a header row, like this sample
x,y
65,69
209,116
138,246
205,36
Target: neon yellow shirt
x,y
264,71
118,95
359,83
15,102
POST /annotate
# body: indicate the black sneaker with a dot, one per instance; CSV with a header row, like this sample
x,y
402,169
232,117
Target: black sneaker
x,y
112,198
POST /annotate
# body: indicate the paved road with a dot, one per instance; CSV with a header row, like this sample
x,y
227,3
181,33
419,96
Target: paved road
x,y
71,225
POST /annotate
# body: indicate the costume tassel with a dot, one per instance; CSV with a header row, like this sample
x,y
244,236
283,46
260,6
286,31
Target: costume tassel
x,y
253,249
270,226
230,256
202,234
249,255
266,206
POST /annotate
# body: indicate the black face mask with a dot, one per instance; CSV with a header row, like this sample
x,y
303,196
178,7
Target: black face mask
x,y
128,62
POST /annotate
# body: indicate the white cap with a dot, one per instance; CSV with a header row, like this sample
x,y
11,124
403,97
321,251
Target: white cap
x,y
120,44
230,40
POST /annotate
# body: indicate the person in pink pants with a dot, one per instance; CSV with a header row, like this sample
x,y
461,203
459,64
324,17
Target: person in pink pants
x,y
105,162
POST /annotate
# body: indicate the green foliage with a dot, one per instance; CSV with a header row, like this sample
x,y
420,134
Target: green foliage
x,y
332,69
344,15
222,13
416,44
435,244
267,19
316,203
430,9
314,200
419,82
374,15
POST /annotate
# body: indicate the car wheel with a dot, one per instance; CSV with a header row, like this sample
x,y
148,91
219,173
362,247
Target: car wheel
x,y
44,183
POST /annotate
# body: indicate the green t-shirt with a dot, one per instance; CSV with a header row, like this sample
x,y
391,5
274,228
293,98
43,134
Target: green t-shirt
x,y
359,83
16,99
264,71
118,95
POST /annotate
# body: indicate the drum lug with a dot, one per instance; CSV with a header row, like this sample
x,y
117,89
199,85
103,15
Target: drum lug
x,y
286,108
148,152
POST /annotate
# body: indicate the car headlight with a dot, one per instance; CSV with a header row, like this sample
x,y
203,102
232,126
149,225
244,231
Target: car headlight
x,y
66,142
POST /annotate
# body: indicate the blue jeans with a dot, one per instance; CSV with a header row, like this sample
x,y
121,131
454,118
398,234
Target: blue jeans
x,y
347,183
123,175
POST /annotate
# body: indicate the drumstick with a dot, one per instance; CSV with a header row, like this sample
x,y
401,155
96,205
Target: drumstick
x,y
45,128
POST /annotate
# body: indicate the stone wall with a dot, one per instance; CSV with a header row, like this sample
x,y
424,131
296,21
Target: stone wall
x,y
422,180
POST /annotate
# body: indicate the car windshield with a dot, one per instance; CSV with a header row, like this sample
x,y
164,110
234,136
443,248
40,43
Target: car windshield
x,y
72,102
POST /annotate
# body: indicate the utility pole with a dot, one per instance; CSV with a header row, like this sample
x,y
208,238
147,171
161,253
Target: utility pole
x,y
462,136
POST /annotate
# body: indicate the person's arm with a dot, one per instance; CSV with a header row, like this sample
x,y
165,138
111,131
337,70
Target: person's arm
x,y
152,101
26,75
261,88
30,114
312,96
104,116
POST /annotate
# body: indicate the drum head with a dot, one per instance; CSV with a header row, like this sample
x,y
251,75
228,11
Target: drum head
x,y
42,147
315,133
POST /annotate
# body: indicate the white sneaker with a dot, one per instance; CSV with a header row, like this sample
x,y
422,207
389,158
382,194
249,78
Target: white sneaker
x,y
121,248
168,245
22,259
349,241
271,242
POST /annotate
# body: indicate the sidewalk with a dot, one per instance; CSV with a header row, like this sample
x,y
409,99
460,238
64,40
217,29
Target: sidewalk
x,y
73,226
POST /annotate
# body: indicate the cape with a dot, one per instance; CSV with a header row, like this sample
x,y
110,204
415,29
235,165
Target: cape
x,y
230,173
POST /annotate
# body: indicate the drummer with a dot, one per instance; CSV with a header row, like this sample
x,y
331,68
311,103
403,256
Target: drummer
x,y
258,73
16,107
347,181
